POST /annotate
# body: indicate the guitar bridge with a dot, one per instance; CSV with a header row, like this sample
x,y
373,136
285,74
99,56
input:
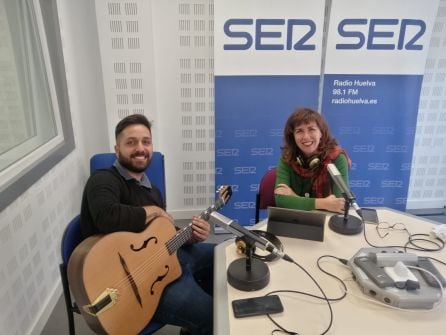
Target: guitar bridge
x,y
106,300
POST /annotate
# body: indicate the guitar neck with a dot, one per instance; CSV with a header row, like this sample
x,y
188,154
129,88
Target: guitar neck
x,y
184,234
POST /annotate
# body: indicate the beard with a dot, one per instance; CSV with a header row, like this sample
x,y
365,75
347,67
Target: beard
x,y
127,163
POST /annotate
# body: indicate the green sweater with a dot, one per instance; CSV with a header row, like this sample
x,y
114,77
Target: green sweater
x,y
302,186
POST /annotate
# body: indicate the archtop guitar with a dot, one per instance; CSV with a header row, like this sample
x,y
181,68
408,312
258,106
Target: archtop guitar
x,y
117,279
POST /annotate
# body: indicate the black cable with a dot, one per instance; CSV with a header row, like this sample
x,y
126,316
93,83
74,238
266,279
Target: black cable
x,y
439,245
412,240
343,261
324,297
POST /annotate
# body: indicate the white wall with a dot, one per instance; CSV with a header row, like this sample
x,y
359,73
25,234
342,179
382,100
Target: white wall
x,y
427,187
166,47
84,76
32,226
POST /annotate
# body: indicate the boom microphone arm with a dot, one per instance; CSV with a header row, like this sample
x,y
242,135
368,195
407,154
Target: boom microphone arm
x,y
240,231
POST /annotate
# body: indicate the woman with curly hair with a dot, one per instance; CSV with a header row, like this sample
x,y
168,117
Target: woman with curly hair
x,y
303,181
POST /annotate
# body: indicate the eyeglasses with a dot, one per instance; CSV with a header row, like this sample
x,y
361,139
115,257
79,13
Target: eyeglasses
x,y
383,228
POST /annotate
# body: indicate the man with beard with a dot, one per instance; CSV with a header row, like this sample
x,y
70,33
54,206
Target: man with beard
x,y
122,198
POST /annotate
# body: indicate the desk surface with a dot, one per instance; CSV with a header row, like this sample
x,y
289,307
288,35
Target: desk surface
x,y
352,315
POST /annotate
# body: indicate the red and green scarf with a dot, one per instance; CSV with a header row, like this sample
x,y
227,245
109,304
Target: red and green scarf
x,y
320,178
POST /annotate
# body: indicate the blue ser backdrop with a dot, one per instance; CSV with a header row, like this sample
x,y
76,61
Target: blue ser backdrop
x,y
374,118
249,131
373,71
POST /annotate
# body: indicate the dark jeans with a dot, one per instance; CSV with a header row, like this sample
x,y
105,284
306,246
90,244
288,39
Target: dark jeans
x,y
188,302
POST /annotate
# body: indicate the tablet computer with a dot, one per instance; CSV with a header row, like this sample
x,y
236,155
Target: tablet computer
x,y
308,225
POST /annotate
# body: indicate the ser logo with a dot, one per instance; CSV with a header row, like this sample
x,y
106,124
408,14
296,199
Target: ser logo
x,y
230,152
218,170
364,148
269,34
400,201
253,187
373,201
376,166
276,132
360,183
391,183
393,34
244,205
349,130
405,167
235,187
262,151
245,133
396,148
383,130
245,170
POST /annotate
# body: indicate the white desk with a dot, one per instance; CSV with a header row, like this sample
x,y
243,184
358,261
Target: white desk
x,y
306,315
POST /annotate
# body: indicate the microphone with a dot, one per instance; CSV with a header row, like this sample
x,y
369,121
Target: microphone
x,y
240,231
348,195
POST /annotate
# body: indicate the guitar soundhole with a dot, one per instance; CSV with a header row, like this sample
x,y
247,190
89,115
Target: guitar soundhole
x,y
144,245
159,279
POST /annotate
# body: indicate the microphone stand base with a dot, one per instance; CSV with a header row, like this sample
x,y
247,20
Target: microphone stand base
x,y
243,279
340,225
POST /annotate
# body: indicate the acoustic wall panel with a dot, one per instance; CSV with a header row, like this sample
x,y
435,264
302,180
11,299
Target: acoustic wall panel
x,y
427,187
157,60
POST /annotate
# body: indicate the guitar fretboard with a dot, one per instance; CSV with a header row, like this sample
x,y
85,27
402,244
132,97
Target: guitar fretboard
x,y
184,234
181,237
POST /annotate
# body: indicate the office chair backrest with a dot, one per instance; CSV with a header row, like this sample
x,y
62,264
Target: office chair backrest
x,y
265,195
155,171
71,237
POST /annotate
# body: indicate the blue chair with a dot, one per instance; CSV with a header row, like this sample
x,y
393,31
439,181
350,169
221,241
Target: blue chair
x,y
155,171
70,239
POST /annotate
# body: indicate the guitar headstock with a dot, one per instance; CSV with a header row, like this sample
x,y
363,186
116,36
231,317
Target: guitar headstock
x,y
224,194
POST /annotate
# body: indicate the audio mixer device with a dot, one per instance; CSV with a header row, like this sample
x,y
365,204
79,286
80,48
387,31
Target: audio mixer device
x,y
385,275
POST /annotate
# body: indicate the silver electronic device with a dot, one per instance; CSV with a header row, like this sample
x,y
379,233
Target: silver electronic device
x,y
383,274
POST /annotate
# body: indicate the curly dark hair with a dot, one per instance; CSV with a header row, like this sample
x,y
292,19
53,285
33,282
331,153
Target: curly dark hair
x,y
304,116
131,120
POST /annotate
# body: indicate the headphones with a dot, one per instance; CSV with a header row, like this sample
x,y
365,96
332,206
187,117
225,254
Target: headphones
x,y
240,244
311,163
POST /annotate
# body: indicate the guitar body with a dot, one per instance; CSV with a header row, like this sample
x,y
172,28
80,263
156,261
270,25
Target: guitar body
x,y
117,279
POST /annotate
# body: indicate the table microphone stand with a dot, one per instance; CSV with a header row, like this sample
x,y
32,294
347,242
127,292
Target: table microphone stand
x,y
249,273
346,224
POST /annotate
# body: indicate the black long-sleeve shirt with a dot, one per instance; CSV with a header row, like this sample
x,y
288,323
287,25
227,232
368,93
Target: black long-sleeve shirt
x,y
113,203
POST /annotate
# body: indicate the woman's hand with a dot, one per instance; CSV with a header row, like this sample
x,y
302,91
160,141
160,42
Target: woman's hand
x,y
331,203
284,189
200,229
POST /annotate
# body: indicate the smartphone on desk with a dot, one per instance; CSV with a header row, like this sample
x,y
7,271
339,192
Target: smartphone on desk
x,y
370,215
268,304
